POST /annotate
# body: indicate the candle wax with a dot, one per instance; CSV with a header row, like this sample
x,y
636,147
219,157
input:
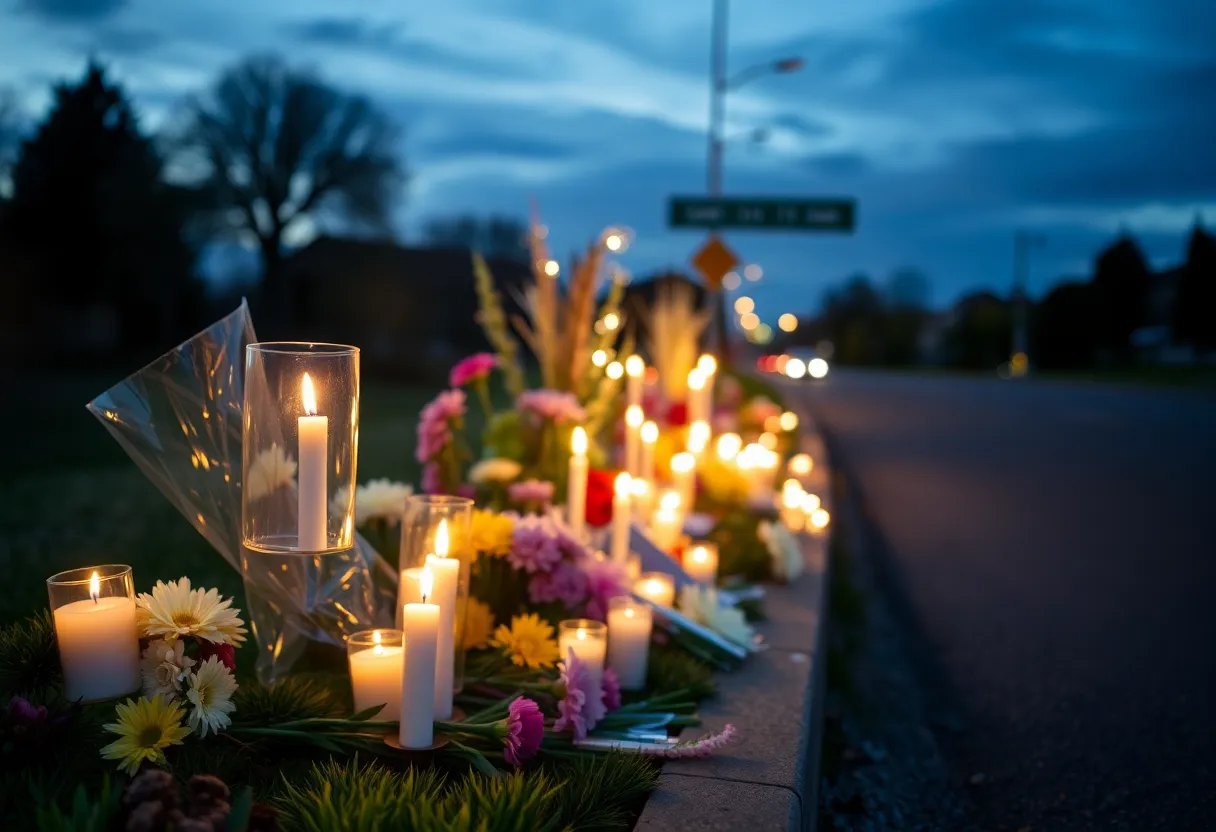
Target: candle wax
x,y
98,648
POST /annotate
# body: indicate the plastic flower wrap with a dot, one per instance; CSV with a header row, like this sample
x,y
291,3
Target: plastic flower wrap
x,y
180,420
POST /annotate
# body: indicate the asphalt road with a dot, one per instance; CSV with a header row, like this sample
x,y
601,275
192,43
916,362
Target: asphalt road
x,y
1054,546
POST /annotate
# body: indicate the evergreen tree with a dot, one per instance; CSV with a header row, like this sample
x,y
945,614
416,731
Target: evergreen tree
x,y
1194,318
1120,296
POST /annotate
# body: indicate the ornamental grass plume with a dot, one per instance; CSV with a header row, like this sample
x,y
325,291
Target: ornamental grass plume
x,y
525,729
528,642
174,610
145,728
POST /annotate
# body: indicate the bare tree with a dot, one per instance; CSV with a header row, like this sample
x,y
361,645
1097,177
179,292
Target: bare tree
x,y
272,145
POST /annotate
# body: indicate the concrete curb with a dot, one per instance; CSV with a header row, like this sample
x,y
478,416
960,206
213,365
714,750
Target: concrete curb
x,y
767,779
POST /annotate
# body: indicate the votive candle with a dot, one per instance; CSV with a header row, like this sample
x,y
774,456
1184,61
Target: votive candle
x,y
376,669
701,562
588,641
629,627
657,587
94,613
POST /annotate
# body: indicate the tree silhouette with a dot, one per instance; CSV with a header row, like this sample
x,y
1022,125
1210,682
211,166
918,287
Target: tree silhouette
x,y
981,333
92,216
495,236
1194,313
1120,296
275,145
1064,328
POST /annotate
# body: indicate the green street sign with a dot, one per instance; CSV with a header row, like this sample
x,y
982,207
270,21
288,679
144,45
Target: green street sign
x,y
762,213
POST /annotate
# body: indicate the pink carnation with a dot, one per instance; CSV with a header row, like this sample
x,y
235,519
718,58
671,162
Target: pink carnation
x,y
473,368
612,690
576,684
605,579
551,404
435,423
566,583
534,545
525,730
530,491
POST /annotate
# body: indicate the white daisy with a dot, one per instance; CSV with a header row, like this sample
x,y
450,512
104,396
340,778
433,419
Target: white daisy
x,y
701,604
497,469
164,667
174,609
210,694
783,548
269,471
374,499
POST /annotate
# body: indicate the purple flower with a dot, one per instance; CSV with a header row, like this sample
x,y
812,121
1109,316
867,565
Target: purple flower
x,y
566,583
534,545
530,491
473,368
24,714
612,690
574,688
605,579
432,480
553,405
435,423
525,730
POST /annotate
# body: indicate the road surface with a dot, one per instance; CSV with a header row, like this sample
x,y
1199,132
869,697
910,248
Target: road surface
x,y
1055,546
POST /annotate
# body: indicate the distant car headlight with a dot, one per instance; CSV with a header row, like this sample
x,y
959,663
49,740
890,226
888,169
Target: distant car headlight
x,y
795,368
818,368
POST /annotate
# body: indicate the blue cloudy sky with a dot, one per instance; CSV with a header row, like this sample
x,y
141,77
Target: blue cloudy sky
x,y
953,122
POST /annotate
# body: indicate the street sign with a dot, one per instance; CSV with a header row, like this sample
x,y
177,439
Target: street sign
x,y
762,213
713,260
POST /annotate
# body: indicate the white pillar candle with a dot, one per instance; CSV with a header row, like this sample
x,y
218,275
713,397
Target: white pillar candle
x,y
643,501
313,473
621,510
633,438
698,437
701,562
588,641
443,573
98,646
684,477
792,496
650,436
420,624
576,482
376,673
635,368
695,401
657,587
629,627
666,526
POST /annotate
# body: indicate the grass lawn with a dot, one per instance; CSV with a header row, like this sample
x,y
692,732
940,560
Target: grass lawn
x,y
70,496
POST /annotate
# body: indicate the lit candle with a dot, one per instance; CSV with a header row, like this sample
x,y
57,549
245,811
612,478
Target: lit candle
x,y
313,499
376,671
708,365
633,428
701,562
819,522
668,522
729,445
98,639
635,368
650,435
801,465
791,505
810,502
698,437
421,643
576,482
621,500
657,587
643,498
695,401
684,477
588,640
629,627
445,580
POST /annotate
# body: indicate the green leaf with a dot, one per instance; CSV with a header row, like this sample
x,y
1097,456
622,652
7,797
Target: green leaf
x,y
367,713
240,811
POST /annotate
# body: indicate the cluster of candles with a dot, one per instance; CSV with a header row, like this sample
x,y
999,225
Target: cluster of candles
x,y
756,463
802,510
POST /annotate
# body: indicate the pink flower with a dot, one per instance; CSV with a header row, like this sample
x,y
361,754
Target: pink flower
x,y
473,368
226,653
525,730
612,690
534,545
703,747
605,579
435,423
551,404
575,684
530,491
432,481
566,583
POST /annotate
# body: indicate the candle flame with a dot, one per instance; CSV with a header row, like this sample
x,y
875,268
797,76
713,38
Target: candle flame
x,y
95,587
801,465
375,636
441,539
650,433
426,583
670,501
578,441
707,364
696,379
820,518
729,445
683,462
635,366
700,555
629,612
810,502
309,396
634,416
623,485
654,586
698,436
377,649
582,634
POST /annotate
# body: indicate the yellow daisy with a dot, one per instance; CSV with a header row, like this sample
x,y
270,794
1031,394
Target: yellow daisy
x,y
528,642
145,729
174,609
478,625
490,533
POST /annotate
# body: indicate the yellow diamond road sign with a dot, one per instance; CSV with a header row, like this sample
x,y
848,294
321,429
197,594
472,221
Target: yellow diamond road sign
x,y
714,260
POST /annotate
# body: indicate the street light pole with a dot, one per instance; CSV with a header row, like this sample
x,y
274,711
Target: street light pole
x,y
713,174
1023,241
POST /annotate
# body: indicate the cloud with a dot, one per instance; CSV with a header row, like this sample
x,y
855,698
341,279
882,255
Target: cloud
x,y
71,10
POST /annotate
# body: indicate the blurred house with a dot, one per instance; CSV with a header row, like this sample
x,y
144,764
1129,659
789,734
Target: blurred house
x,y
410,310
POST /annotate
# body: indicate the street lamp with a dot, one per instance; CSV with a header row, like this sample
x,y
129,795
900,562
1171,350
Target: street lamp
x,y
1023,241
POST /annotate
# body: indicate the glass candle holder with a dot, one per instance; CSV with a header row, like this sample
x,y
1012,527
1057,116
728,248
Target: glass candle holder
x,y
629,626
657,587
435,535
376,659
588,641
94,612
701,562
301,436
